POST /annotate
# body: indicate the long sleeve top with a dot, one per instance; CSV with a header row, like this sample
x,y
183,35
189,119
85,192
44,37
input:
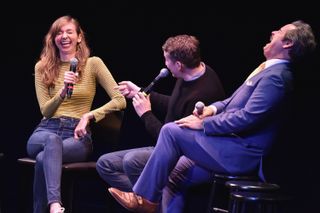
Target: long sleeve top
x,y
52,105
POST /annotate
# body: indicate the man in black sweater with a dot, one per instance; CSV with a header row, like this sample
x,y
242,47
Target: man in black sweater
x,y
196,81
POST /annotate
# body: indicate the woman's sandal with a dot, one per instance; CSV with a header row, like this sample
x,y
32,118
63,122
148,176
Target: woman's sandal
x,y
61,210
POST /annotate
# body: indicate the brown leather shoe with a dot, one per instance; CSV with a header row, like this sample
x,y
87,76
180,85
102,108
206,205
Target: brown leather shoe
x,y
133,202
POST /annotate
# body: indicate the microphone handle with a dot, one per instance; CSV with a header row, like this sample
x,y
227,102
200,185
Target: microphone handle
x,y
69,90
70,85
200,111
147,90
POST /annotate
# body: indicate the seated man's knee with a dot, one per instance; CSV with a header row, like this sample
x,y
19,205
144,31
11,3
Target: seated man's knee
x,y
170,127
103,164
131,162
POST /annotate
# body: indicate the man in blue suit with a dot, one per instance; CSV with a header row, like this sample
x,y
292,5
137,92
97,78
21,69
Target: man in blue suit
x,y
230,136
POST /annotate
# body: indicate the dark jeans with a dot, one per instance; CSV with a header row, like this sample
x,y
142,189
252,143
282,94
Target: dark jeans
x,y
51,144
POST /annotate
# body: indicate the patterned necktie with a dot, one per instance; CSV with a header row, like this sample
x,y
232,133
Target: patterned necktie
x,y
257,70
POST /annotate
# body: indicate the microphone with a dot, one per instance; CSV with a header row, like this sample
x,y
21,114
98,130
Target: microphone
x,y
199,107
164,72
73,68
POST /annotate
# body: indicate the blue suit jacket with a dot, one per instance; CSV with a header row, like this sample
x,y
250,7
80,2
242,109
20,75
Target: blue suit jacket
x,y
246,124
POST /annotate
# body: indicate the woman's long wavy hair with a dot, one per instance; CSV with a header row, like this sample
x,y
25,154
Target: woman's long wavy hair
x,y
50,58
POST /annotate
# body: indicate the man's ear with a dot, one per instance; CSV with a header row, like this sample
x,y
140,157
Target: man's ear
x,y
178,64
287,44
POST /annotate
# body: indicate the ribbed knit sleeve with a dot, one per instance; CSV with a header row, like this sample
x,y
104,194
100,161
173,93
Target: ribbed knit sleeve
x,y
48,103
51,105
107,81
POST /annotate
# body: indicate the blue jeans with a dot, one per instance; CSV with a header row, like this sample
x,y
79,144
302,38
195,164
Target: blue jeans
x,y
121,169
51,144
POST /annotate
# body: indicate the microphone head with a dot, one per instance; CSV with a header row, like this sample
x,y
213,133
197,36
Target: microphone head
x,y
199,106
74,62
164,72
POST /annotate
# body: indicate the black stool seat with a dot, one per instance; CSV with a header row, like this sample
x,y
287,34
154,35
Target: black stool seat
x,y
225,177
71,171
258,196
218,200
257,202
77,166
243,185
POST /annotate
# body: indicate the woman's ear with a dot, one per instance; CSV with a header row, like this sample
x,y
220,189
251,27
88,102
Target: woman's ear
x,y
79,39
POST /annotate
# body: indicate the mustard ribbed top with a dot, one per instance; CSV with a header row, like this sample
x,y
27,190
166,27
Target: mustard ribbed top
x,y
52,105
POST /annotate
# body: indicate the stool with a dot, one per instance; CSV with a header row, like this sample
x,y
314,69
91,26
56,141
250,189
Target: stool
x,y
70,172
219,181
106,131
243,185
256,202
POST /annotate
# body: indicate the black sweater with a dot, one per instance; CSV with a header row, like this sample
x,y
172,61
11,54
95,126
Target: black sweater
x,y
185,95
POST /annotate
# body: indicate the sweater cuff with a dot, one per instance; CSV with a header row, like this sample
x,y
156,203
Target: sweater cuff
x,y
145,115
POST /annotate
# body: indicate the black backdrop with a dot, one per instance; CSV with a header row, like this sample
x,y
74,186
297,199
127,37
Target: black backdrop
x,y
128,36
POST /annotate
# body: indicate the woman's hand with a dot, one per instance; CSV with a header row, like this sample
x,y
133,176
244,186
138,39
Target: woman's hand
x,y
81,129
69,78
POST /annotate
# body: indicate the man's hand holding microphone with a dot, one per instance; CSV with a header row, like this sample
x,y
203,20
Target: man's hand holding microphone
x,y
195,121
140,96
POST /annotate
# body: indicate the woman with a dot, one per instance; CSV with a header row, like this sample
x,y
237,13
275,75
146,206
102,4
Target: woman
x,y
63,135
